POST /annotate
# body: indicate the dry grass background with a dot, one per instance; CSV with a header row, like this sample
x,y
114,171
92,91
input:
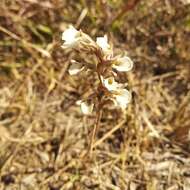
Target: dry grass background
x,y
43,134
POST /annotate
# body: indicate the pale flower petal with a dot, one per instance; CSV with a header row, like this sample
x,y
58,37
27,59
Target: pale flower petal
x,y
70,37
102,42
75,67
86,107
123,64
111,84
122,98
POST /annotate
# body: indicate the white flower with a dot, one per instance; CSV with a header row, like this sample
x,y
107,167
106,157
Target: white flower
x,y
70,36
86,107
123,64
110,84
75,67
122,98
102,42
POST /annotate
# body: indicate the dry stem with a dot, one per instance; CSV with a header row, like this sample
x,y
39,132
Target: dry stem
x,y
95,129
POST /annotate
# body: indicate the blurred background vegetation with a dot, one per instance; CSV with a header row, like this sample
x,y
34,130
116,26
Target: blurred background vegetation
x,y
42,131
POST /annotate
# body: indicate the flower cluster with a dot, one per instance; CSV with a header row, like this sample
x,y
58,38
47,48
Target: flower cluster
x,y
106,68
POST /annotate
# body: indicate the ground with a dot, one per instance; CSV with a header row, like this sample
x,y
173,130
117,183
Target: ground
x,y
43,134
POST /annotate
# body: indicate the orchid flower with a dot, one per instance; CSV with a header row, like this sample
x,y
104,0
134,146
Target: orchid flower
x,y
71,37
75,67
123,64
86,106
111,84
122,98
102,42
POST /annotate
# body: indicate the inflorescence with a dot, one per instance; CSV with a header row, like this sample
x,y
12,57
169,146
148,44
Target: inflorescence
x,y
107,66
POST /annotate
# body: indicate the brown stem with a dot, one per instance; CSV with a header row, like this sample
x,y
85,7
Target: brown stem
x,y
98,116
99,96
95,129
99,77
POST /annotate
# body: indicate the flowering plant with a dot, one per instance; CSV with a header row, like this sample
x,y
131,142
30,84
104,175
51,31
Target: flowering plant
x,y
107,66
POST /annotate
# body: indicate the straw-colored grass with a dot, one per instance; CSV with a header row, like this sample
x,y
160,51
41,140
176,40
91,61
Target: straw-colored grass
x,y
43,135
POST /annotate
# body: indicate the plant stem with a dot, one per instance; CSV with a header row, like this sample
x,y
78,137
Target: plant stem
x,y
96,127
